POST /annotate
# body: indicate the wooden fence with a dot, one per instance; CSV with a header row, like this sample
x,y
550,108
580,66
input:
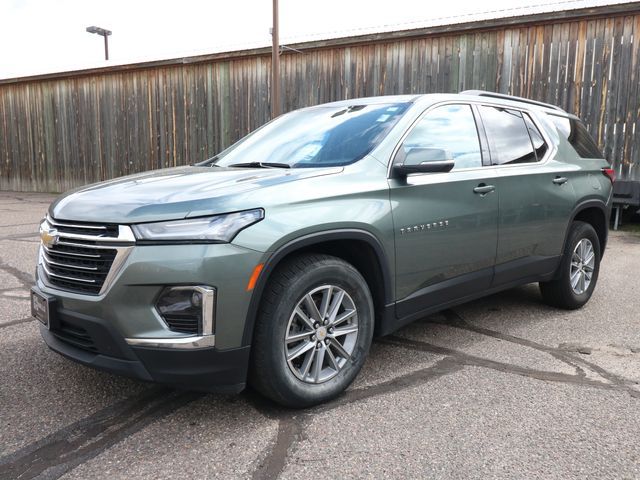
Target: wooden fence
x,y
65,130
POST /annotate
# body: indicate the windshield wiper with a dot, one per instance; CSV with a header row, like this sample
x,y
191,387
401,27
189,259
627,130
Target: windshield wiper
x,y
260,165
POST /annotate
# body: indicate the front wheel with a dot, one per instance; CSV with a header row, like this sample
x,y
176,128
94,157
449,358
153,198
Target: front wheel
x,y
313,332
579,269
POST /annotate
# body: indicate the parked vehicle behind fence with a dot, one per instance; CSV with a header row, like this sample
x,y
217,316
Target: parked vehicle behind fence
x,y
277,261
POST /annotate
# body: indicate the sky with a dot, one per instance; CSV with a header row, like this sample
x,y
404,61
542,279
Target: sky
x,y
44,36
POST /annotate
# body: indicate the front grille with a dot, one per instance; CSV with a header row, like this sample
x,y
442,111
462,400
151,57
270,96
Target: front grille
x,y
71,266
81,255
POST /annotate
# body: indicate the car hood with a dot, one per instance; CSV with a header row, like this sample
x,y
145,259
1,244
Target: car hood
x,y
175,193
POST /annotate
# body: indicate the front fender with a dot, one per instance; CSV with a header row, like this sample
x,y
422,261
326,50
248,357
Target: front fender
x,y
274,258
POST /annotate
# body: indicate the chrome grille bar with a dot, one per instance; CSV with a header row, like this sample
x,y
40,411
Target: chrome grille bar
x,y
55,223
77,245
72,254
73,279
70,266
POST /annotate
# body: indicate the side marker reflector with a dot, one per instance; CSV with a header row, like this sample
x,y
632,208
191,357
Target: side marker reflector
x,y
254,277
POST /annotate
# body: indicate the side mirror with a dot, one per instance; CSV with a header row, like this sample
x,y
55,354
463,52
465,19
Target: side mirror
x,y
424,160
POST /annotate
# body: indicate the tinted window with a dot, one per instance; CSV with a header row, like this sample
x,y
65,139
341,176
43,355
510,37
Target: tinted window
x,y
578,136
508,136
539,144
316,137
447,132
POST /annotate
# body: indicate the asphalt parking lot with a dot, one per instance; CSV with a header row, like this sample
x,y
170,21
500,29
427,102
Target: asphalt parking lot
x,y
504,387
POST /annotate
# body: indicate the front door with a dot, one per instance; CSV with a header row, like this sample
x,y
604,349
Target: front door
x,y
445,223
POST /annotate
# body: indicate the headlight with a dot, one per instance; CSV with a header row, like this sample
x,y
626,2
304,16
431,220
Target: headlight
x,y
218,228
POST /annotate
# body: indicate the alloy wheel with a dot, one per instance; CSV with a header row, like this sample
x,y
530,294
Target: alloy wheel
x,y
321,334
582,266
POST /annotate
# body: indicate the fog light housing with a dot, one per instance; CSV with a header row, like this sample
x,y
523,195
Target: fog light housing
x,y
188,309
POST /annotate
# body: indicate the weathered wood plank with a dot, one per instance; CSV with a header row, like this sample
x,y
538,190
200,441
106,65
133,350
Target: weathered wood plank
x,y
58,133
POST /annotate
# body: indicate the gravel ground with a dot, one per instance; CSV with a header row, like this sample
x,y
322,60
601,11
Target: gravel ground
x,y
504,387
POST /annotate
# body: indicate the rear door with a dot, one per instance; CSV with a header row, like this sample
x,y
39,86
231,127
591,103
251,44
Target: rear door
x,y
536,194
445,223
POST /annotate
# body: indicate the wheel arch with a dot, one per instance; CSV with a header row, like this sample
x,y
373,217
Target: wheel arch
x,y
360,248
595,213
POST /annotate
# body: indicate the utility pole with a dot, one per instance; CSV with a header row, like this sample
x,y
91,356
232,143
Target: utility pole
x,y
275,64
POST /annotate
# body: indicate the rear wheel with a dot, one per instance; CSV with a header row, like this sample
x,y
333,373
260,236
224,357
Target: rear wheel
x,y
578,270
313,331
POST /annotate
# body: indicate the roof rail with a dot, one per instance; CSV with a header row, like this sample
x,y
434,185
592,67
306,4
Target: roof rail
x,y
482,93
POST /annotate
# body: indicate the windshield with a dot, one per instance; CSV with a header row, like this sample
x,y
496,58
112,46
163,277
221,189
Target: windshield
x,y
316,137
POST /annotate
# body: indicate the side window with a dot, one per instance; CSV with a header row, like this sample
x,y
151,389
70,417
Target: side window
x,y
508,136
447,132
578,136
539,144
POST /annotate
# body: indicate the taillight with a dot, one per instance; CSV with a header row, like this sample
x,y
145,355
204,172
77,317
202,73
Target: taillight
x,y
610,173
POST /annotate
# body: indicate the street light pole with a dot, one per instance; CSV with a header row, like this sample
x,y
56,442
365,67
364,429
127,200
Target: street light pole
x,y
105,33
275,64
106,47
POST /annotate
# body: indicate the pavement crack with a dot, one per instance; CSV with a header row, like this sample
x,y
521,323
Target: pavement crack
x,y
290,430
11,289
17,236
16,322
291,423
14,297
457,321
474,361
24,278
62,451
30,224
441,368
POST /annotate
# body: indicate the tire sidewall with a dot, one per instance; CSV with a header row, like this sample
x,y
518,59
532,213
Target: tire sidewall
x,y
327,273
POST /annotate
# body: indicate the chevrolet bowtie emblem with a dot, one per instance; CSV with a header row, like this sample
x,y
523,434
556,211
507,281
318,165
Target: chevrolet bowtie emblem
x,y
48,236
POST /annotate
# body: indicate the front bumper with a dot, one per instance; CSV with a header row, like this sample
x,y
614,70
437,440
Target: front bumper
x,y
122,332
94,342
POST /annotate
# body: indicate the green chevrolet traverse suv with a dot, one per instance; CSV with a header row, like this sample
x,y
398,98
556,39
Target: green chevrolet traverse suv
x,y
275,262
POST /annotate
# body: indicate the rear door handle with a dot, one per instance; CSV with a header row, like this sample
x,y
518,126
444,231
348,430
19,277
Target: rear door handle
x,y
483,189
560,180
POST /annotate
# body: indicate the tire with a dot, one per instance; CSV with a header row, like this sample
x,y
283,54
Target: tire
x,y
285,312
560,292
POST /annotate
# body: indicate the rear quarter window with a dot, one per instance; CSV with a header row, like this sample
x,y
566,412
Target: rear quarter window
x,y
578,136
509,139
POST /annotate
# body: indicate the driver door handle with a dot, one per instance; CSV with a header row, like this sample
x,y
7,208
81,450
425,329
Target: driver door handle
x,y
560,180
483,189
